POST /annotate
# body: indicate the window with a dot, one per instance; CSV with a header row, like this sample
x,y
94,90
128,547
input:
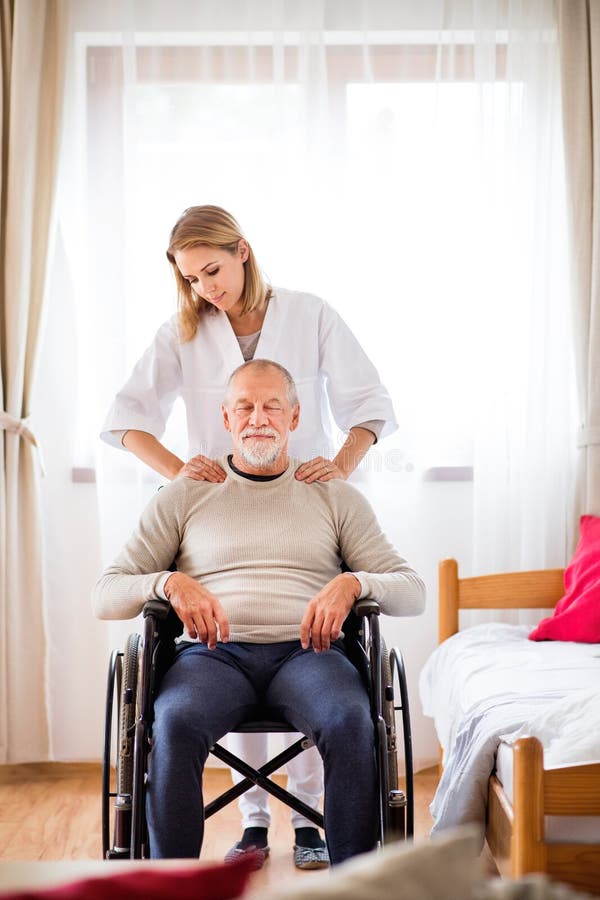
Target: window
x,y
389,187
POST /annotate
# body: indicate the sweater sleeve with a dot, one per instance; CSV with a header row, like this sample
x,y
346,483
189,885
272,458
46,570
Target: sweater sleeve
x,y
140,570
383,574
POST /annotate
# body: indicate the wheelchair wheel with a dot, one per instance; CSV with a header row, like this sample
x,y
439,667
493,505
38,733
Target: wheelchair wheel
x,y
127,715
115,669
398,701
392,799
123,678
389,717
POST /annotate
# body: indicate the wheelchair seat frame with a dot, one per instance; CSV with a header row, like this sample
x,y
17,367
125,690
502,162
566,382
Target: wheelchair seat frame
x,y
134,676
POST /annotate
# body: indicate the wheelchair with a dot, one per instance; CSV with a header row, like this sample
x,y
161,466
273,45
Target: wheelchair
x,y
134,678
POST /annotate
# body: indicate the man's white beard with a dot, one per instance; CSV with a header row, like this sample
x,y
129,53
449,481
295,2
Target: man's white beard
x,y
261,454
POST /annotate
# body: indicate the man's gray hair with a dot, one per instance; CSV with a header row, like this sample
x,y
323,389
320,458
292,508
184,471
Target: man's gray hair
x,y
261,365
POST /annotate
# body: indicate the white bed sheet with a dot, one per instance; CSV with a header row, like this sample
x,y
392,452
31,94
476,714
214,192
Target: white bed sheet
x,y
495,663
489,681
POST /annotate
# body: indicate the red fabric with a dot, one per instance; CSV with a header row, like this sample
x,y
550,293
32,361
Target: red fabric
x,y
218,882
577,614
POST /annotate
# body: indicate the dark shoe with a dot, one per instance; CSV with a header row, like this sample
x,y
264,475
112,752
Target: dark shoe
x,y
311,858
258,855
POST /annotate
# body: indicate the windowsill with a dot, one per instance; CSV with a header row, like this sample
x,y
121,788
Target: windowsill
x,y
83,475
87,474
448,473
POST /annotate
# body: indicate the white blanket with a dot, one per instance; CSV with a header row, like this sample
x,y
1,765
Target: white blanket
x,y
490,682
569,730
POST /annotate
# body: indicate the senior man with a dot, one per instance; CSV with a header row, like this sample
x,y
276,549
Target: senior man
x,y
259,590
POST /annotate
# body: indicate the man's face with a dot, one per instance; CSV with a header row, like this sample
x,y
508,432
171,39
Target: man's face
x,y
259,416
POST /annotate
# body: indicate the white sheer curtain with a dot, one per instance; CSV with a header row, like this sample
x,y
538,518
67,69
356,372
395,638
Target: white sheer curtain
x,y
402,160
524,439
579,37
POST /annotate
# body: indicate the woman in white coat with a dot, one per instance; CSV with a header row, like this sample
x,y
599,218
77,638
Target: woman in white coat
x,y
227,314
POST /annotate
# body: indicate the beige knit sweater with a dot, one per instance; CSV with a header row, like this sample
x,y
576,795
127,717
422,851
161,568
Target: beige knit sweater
x,y
264,548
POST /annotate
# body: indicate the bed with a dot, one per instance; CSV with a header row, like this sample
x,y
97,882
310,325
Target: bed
x,y
488,688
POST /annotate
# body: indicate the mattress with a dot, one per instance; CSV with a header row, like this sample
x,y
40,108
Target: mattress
x,y
495,664
490,682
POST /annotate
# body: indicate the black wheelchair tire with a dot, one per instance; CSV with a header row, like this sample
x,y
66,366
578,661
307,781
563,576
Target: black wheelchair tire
x,y
393,815
389,717
127,715
116,818
400,692
113,687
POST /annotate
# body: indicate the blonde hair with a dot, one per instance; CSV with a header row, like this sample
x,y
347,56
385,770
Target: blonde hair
x,y
214,227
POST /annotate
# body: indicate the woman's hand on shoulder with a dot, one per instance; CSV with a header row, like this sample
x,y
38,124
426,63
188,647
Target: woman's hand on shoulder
x,y
201,468
319,469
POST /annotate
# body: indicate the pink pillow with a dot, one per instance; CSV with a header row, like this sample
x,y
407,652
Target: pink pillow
x,y
222,881
577,614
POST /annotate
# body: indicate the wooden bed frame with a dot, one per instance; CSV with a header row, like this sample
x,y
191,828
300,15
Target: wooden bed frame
x,y
515,832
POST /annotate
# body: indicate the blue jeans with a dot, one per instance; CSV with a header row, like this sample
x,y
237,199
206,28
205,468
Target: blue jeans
x,y
206,693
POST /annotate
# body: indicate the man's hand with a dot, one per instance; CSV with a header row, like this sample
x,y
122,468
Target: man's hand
x,y
318,469
201,468
198,609
325,614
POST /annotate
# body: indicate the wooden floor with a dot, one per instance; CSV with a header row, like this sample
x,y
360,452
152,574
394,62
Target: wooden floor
x,y
51,811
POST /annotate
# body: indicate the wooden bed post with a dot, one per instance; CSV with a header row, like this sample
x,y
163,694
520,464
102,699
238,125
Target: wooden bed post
x,y
448,598
528,848
447,611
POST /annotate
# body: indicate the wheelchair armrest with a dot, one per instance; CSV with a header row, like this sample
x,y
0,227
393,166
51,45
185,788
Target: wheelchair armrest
x,y
160,608
366,607
156,607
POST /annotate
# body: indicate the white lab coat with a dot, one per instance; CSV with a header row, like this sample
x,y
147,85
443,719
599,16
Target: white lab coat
x,y
301,332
